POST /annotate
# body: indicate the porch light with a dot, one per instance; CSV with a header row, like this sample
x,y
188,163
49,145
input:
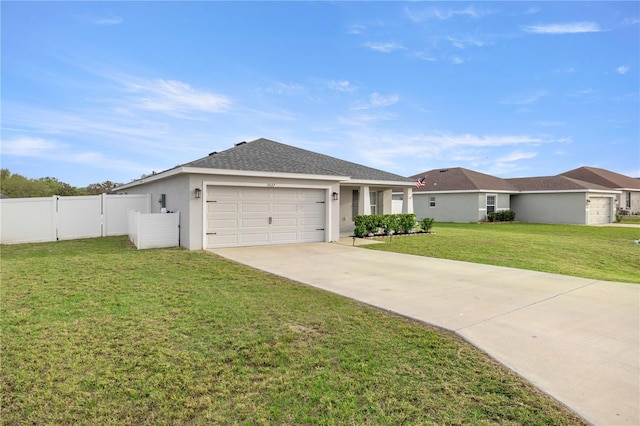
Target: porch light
x,y
334,196
198,192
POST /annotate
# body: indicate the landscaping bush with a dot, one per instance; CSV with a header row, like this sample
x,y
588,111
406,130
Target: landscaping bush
x,y
501,216
378,224
426,224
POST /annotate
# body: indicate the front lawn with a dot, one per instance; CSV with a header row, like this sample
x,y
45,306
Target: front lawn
x,y
603,253
96,332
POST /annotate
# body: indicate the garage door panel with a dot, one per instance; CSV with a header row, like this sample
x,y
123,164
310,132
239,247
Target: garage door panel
x,y
231,223
279,193
310,236
243,216
259,222
285,237
248,239
222,240
255,208
222,207
285,208
285,221
221,192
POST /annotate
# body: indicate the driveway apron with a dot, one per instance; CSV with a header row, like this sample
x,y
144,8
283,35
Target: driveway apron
x,y
576,339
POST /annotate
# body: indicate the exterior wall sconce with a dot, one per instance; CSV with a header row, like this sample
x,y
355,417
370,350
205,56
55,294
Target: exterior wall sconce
x,y
334,196
198,192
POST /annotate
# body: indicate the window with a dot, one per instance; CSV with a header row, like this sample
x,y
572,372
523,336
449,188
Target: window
x,y
628,199
432,201
373,197
491,203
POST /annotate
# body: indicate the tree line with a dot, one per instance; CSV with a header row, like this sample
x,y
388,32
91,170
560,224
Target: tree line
x,y
14,185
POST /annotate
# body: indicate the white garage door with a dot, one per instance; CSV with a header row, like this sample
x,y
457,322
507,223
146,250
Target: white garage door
x,y
246,216
599,210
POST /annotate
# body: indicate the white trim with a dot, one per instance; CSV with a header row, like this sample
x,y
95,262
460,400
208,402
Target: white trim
x,y
365,182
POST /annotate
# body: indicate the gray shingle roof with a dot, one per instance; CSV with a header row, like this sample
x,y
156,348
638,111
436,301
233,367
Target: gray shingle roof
x,y
553,183
461,179
603,177
264,155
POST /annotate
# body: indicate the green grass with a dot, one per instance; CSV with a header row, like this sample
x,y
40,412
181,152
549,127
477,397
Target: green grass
x,y
603,253
96,332
635,219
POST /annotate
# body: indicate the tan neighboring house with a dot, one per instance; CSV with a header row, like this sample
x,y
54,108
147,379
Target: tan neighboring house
x,y
461,195
265,192
627,201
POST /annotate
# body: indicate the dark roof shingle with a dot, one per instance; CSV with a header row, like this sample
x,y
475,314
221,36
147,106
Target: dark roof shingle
x,y
553,183
264,155
461,179
603,177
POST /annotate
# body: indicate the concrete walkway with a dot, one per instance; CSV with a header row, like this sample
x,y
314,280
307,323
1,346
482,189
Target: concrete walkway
x,y
576,339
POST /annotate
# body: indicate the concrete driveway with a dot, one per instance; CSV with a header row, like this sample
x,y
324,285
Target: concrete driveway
x,y
576,339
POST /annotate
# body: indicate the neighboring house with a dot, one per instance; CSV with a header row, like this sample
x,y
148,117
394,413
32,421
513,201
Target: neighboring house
x,y
627,201
264,192
462,195
563,200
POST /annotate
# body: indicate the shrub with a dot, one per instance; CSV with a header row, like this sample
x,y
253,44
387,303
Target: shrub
x,y
501,216
375,223
426,224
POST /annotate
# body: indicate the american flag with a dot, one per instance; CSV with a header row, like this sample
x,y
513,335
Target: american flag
x,y
420,182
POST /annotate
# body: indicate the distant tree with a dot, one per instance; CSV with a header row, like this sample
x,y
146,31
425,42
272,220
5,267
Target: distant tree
x,y
18,186
55,187
105,187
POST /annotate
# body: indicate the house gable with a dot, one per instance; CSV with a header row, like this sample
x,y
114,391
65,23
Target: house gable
x,y
461,179
604,178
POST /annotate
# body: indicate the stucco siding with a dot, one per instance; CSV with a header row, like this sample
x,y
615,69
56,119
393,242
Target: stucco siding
x,y
177,197
461,207
560,208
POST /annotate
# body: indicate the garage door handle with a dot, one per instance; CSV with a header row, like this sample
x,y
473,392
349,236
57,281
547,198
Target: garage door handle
x,y
270,220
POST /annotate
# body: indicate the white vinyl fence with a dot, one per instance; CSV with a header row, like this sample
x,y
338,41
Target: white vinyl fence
x,y
154,230
31,220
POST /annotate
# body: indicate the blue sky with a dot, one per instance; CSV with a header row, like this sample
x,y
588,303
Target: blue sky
x,y
95,91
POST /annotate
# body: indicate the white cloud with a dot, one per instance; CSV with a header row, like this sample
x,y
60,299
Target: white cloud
x,y
285,88
516,156
568,28
111,19
457,60
174,96
376,100
341,86
384,47
622,69
443,14
524,100
463,43
355,29
25,146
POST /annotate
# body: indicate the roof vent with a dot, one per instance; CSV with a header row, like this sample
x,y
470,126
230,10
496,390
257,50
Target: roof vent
x,y
214,152
444,170
241,143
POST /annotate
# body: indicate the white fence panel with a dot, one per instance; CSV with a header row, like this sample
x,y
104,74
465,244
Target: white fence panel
x,y
27,220
154,230
79,217
35,220
116,208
